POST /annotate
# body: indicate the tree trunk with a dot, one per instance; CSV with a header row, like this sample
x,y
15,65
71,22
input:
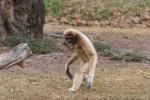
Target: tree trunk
x,y
15,56
22,18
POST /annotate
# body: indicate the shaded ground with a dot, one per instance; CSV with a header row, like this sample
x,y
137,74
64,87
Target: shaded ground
x,y
44,78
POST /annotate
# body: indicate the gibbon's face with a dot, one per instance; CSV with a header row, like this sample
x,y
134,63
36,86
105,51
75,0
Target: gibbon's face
x,y
69,41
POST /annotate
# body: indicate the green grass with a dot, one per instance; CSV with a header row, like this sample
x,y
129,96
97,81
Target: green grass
x,y
40,46
96,9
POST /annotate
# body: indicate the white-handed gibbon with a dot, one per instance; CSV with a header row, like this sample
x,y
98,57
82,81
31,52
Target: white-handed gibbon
x,y
84,50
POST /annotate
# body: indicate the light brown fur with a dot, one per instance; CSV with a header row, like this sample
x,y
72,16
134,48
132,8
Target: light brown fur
x,y
84,50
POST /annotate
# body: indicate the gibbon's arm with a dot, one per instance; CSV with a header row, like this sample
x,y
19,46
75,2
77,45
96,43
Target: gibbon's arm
x,y
93,61
92,64
73,58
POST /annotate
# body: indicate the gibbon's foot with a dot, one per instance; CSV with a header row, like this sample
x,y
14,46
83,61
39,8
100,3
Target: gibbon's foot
x,y
72,89
89,86
89,82
69,74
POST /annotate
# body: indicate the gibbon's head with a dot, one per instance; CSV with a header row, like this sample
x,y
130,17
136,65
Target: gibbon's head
x,y
70,36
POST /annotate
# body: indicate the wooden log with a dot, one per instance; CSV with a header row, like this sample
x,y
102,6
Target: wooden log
x,y
15,56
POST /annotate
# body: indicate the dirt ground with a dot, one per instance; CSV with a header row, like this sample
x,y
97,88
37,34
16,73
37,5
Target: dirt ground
x,y
43,78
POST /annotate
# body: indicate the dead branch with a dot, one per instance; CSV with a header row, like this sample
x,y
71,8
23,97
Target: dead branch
x,y
15,56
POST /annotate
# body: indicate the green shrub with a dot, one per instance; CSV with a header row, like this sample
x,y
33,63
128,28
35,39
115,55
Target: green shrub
x,y
11,41
40,46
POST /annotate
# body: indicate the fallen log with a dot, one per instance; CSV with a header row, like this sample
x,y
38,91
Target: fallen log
x,y
15,56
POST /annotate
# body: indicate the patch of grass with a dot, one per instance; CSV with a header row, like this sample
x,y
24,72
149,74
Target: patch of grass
x,y
40,46
115,54
101,46
128,56
101,13
55,7
134,56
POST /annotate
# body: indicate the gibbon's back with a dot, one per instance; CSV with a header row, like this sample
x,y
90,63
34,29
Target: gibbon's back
x,y
88,41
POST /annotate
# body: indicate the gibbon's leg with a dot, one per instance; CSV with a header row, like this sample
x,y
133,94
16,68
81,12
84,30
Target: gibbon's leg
x,y
79,77
69,62
90,75
85,76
